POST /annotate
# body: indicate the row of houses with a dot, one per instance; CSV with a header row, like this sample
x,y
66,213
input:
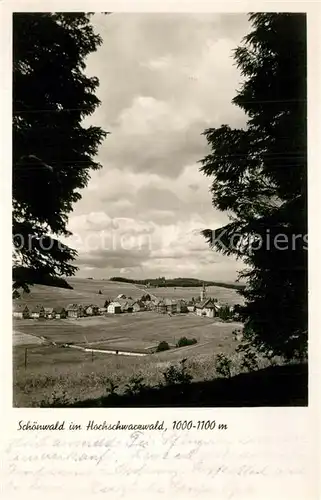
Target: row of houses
x,y
39,311
76,310
207,307
170,306
123,305
204,307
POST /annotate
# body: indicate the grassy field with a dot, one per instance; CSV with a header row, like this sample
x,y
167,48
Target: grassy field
x,y
149,327
79,373
86,291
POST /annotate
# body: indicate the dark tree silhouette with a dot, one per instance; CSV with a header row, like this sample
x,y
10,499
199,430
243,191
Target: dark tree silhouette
x,y
260,177
52,150
224,313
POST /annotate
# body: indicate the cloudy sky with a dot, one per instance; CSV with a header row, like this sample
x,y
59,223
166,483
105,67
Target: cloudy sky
x,y
164,78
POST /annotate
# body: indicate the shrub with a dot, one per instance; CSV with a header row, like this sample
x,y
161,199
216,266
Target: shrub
x,y
249,356
269,355
162,346
177,374
237,334
183,341
111,386
223,365
249,361
135,385
225,313
57,400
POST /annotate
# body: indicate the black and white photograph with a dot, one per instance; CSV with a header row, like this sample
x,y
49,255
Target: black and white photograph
x,y
159,210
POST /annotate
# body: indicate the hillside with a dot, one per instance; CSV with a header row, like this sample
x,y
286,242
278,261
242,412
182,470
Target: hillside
x,y
178,282
85,291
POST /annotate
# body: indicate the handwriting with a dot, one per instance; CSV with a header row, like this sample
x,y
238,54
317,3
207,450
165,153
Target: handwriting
x,y
189,465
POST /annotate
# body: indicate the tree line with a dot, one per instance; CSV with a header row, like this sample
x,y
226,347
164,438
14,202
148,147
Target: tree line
x,y
179,282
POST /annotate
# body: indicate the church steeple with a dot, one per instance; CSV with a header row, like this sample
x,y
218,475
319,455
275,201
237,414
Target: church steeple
x,y
203,292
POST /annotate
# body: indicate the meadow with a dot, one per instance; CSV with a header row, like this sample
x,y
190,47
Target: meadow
x,y
79,374
86,291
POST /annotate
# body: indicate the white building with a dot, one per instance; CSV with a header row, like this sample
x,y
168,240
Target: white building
x,y
50,313
114,308
37,312
20,311
206,308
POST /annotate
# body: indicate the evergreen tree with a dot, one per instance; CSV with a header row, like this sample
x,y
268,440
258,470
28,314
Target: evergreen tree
x,y
52,149
260,178
224,313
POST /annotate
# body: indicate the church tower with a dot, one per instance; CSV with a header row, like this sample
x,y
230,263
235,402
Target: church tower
x,y
203,293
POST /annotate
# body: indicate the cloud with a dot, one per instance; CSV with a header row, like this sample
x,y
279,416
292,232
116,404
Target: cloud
x,y
159,96
108,245
164,78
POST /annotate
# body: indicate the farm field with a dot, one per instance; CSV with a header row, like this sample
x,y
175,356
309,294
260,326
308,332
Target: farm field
x,y
81,374
126,331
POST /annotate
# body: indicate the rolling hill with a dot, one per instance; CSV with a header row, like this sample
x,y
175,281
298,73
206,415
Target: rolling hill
x,y
86,291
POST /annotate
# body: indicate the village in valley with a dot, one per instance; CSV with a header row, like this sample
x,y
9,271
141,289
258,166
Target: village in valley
x,y
203,305
81,337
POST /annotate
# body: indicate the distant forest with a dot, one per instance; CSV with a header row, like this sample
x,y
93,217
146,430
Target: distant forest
x,y
180,282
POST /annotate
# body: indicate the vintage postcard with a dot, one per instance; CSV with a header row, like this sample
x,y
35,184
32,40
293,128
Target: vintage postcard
x,y
159,301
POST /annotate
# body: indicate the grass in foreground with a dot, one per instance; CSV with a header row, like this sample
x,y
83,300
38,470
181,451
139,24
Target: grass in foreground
x,y
71,376
285,385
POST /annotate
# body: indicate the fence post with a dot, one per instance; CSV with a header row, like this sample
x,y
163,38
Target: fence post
x,y
26,351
